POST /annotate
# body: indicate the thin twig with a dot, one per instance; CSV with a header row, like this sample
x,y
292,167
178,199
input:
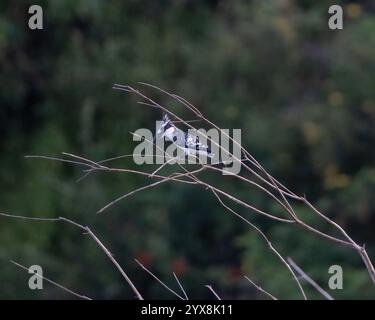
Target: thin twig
x,y
166,179
58,159
182,288
95,164
158,280
213,291
53,282
308,279
260,288
109,255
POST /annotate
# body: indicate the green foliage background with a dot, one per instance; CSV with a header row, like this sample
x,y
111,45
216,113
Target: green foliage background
x,y
302,94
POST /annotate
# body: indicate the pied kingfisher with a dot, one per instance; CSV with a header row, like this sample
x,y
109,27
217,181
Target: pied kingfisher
x,y
189,143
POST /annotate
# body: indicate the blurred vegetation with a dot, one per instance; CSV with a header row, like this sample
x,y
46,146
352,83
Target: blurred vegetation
x,y
303,95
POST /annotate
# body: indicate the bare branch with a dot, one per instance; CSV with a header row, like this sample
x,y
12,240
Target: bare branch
x,y
213,291
158,280
182,288
166,179
53,282
109,255
260,288
308,279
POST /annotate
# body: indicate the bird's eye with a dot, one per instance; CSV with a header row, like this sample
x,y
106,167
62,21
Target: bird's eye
x,y
174,138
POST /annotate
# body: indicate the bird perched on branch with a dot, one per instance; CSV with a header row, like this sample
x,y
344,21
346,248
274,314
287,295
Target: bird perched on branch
x,y
188,142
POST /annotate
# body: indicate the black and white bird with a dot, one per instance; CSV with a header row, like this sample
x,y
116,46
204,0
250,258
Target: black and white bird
x,y
189,143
